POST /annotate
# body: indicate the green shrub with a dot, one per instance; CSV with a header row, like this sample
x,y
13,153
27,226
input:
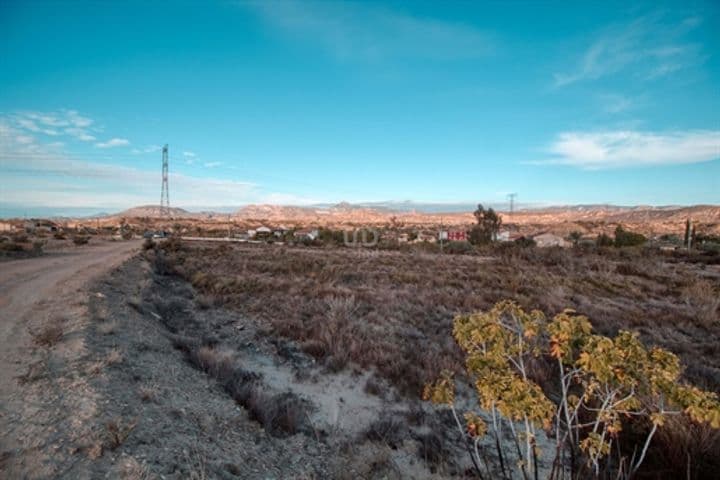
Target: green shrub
x,y
81,239
604,241
624,238
458,248
11,247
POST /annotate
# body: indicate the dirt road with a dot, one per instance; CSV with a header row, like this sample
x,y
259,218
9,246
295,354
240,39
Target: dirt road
x,y
33,293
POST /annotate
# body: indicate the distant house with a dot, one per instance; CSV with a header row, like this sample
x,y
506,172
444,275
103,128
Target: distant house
x,y
32,226
508,236
306,234
426,237
281,231
6,227
263,232
550,240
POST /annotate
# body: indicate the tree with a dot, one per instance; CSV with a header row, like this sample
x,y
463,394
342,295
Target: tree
x,y
624,238
692,236
687,233
600,383
487,228
575,237
604,240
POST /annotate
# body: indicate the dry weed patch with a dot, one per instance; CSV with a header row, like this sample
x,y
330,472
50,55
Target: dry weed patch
x,y
118,430
49,334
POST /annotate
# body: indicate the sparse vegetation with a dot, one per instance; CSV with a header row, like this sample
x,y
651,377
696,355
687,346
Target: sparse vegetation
x,y
624,238
81,239
391,311
280,414
49,334
389,297
487,228
118,430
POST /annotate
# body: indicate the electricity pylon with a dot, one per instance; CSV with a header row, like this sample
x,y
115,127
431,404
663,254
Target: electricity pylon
x,y
512,196
165,194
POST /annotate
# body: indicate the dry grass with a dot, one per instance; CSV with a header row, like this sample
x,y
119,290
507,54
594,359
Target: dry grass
x,y
107,328
114,357
281,414
392,311
81,239
388,430
131,469
148,393
684,450
36,371
704,298
49,334
217,363
118,430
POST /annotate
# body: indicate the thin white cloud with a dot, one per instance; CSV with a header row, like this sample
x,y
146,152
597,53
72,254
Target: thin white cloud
x,y
369,32
113,142
616,103
617,149
61,118
57,123
148,149
645,48
32,126
28,124
211,164
189,154
80,134
24,139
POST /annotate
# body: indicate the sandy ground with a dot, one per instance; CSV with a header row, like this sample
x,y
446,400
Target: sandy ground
x,y
33,293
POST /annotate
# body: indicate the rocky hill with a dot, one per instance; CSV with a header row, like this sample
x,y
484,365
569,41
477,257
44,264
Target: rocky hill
x,y
153,211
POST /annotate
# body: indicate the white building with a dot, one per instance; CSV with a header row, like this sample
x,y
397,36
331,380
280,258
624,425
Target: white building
x,y
306,234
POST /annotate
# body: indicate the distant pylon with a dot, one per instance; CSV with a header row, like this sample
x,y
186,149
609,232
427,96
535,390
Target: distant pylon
x,y
512,196
165,194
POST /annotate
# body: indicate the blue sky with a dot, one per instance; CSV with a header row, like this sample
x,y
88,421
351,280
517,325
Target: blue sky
x,y
297,103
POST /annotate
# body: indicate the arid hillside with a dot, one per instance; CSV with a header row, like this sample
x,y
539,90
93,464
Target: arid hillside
x,y
588,220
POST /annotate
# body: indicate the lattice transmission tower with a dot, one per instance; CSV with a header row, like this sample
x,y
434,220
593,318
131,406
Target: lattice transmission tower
x,y
165,194
512,196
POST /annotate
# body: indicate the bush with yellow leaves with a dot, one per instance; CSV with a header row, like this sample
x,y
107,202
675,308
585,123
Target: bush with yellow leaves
x,y
598,385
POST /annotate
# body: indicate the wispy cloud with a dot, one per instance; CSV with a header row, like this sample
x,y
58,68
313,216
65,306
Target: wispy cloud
x,y
66,181
617,149
148,149
113,142
646,48
56,123
80,134
211,164
189,154
617,103
368,32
